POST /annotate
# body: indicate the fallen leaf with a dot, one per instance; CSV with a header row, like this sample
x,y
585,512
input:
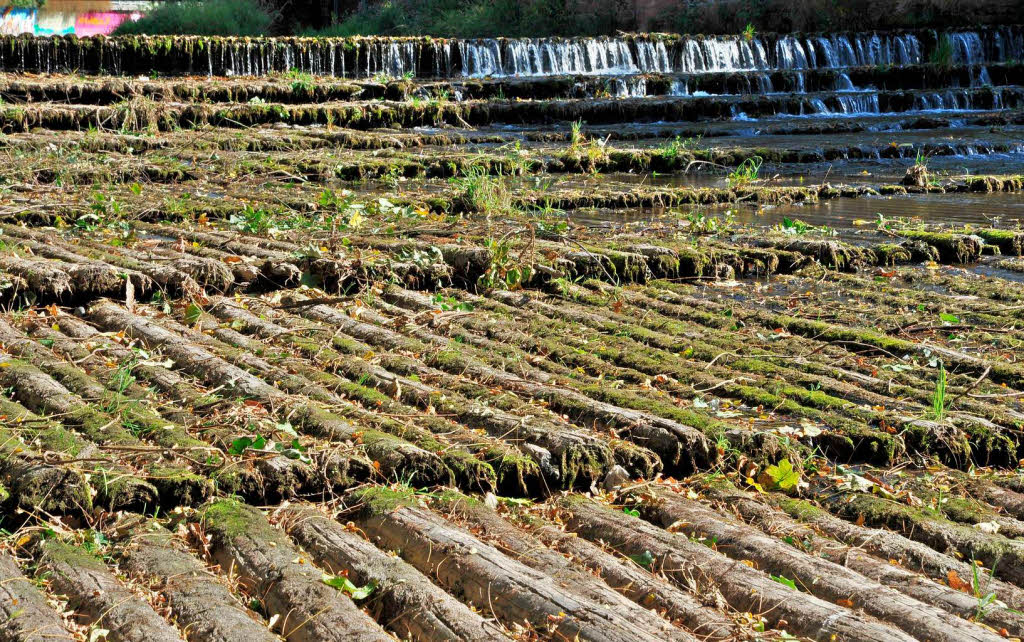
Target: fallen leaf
x,y
957,583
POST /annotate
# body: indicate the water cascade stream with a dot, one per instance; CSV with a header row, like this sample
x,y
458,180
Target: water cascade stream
x,y
499,57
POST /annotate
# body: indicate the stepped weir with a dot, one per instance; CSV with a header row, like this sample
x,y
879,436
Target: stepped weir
x,y
647,337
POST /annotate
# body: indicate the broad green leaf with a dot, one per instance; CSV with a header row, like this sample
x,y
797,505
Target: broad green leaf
x,y
782,579
346,585
192,313
949,318
239,445
644,560
783,475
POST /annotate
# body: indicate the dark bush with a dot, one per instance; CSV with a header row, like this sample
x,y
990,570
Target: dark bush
x,y
486,18
730,16
483,18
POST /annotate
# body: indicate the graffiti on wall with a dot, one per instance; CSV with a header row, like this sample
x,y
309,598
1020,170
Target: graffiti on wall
x,y
95,23
14,20
58,18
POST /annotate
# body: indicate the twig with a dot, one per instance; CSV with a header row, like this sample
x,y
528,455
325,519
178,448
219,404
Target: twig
x,y
959,326
320,301
712,362
723,383
971,387
998,396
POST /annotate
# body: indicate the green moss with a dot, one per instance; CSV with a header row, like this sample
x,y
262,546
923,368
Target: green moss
x,y
953,248
514,470
452,499
117,490
468,469
230,518
583,464
180,485
665,409
99,427
448,360
799,509
716,481
57,552
638,460
378,500
1010,242
50,435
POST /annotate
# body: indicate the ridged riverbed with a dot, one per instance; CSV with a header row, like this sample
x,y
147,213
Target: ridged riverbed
x,y
653,337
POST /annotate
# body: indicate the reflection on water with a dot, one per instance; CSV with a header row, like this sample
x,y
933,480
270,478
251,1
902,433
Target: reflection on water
x,y
847,215
70,17
1002,209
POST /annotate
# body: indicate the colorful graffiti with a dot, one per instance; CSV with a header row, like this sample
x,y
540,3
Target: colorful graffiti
x,y
57,18
14,20
96,23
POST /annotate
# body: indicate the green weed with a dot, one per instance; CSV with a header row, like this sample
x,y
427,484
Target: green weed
x,y
576,137
942,55
505,271
939,396
301,82
345,585
747,172
481,192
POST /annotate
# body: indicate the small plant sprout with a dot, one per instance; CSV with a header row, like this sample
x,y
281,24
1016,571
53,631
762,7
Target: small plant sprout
x,y
987,601
675,149
576,137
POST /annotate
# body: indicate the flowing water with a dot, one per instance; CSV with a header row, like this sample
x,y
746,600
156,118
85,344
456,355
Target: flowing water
x,y
843,107
526,57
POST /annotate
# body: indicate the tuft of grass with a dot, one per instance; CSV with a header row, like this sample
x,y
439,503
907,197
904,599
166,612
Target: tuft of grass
x,y
300,81
576,137
920,160
673,150
942,55
207,18
939,396
481,192
138,114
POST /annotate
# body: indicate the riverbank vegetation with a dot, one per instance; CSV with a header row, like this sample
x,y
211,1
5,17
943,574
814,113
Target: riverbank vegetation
x,y
205,18
732,16
541,18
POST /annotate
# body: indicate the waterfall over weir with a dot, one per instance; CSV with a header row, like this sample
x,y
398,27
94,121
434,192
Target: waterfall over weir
x,y
542,57
499,57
